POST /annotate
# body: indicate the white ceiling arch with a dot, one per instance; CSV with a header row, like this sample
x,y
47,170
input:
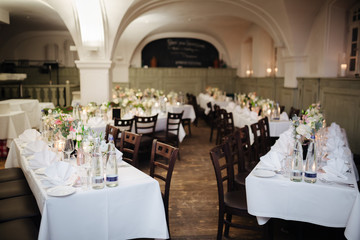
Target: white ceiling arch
x,y
181,15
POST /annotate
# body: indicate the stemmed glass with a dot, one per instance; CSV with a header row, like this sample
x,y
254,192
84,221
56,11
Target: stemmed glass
x,y
69,147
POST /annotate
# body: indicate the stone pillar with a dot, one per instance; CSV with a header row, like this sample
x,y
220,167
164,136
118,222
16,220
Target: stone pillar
x,y
95,83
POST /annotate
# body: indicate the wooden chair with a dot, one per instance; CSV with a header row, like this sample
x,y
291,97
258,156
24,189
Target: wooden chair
x,y
124,124
114,132
197,110
293,112
282,109
161,154
213,119
186,122
265,134
145,126
225,125
231,202
171,134
129,146
240,151
256,146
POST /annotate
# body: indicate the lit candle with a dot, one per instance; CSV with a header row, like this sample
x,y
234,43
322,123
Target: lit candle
x,y
343,69
248,73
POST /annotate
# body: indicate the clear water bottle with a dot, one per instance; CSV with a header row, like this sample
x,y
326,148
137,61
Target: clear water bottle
x,y
297,163
310,173
111,165
97,167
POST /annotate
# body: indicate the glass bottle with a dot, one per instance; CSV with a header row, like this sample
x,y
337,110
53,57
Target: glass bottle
x,y
111,165
97,167
297,162
310,174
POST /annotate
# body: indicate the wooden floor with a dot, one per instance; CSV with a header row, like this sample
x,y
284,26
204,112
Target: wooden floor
x,y
193,199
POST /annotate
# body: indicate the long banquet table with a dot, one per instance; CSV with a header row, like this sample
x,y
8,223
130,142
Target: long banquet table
x,y
134,209
330,205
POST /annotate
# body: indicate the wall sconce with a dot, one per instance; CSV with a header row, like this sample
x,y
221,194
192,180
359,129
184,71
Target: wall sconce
x,y
343,68
248,73
268,72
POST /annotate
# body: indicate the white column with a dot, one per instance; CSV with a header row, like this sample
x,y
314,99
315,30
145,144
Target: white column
x,y
95,83
293,67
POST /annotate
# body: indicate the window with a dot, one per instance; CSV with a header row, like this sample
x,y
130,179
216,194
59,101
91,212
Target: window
x,y
354,43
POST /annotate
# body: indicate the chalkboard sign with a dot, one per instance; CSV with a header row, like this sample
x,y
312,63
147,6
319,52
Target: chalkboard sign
x,y
179,52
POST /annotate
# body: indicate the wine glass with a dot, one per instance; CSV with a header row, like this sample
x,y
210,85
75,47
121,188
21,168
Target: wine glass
x,y
69,147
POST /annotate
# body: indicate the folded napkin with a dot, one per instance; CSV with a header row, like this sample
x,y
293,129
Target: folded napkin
x,y
33,147
59,174
96,121
334,130
29,135
272,160
119,156
230,106
331,174
42,159
284,116
285,142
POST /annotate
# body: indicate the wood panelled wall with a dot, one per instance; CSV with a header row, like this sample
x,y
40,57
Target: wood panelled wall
x,y
339,97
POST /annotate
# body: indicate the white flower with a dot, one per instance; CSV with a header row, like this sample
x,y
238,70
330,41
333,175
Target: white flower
x,y
304,130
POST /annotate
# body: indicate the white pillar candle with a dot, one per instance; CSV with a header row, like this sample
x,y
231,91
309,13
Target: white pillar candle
x,y
343,69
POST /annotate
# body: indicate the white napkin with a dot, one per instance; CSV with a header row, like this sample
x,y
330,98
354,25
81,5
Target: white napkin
x,y
33,147
29,135
332,174
254,116
284,116
96,121
42,159
59,174
230,107
272,160
119,156
285,142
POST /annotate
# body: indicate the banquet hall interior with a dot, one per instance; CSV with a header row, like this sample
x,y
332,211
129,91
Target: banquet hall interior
x,y
292,56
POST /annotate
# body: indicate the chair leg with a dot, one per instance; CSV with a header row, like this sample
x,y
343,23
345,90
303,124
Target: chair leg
x,y
220,225
211,133
227,225
189,129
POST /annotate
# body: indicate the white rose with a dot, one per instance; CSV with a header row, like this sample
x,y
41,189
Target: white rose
x,y
304,130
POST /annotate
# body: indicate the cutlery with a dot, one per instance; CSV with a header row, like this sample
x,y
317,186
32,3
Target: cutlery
x,y
336,182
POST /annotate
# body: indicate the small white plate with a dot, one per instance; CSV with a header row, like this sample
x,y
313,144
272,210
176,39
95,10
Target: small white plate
x,y
264,173
61,191
40,171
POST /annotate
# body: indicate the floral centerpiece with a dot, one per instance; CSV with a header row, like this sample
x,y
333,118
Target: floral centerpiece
x,y
172,97
310,122
64,124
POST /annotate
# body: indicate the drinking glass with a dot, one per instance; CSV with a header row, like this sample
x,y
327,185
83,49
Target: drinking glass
x,y
69,148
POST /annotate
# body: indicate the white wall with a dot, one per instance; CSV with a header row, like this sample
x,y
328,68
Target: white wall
x,y
40,45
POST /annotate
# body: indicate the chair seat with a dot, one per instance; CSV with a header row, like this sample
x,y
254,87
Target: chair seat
x,y
14,189
9,174
18,207
240,178
145,141
236,200
20,229
161,136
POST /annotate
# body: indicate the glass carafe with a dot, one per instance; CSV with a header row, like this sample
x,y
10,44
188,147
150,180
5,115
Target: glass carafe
x,y
297,163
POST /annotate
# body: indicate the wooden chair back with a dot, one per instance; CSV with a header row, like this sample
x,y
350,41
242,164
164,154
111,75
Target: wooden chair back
x,y
173,124
293,112
265,134
145,125
124,124
111,131
129,146
163,157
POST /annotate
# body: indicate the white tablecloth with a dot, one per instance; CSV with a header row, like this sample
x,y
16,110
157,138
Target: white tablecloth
x,y
134,209
12,125
30,106
320,203
203,100
188,109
